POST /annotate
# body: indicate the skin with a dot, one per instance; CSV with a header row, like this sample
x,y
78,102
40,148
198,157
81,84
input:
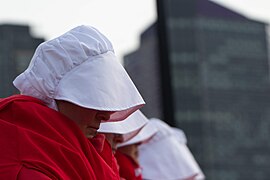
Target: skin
x,y
114,140
131,150
88,120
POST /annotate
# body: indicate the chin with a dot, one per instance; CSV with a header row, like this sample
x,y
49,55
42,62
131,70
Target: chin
x,y
90,136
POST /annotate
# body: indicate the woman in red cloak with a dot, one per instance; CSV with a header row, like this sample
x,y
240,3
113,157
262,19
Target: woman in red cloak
x,y
73,83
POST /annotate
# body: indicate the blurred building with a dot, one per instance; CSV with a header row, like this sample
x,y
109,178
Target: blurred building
x,y
204,68
16,49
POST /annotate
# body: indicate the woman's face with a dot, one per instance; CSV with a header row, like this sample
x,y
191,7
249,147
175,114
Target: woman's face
x,y
88,120
131,150
114,139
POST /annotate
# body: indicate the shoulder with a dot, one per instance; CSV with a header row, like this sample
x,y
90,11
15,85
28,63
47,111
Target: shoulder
x,y
19,100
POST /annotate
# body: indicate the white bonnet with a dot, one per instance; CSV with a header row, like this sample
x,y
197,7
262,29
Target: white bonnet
x,y
146,133
166,156
80,67
179,135
128,128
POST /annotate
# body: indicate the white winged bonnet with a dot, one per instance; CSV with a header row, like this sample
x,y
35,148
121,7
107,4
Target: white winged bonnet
x,y
128,128
80,67
166,156
145,134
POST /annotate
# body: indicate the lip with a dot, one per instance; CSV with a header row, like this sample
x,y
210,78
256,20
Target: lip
x,y
92,127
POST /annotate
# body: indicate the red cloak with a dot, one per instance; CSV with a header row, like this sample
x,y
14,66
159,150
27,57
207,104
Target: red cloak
x,y
36,139
128,168
104,148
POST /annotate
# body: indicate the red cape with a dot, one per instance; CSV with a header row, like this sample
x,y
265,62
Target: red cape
x,y
104,148
39,138
128,168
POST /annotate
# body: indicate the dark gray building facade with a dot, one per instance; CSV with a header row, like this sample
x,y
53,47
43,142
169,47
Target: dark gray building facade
x,y
16,49
144,69
212,81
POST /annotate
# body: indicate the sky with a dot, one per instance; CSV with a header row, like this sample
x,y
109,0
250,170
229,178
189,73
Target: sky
x,y
122,21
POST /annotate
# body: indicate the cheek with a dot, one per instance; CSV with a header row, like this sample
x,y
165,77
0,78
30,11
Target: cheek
x,y
89,117
114,145
135,151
